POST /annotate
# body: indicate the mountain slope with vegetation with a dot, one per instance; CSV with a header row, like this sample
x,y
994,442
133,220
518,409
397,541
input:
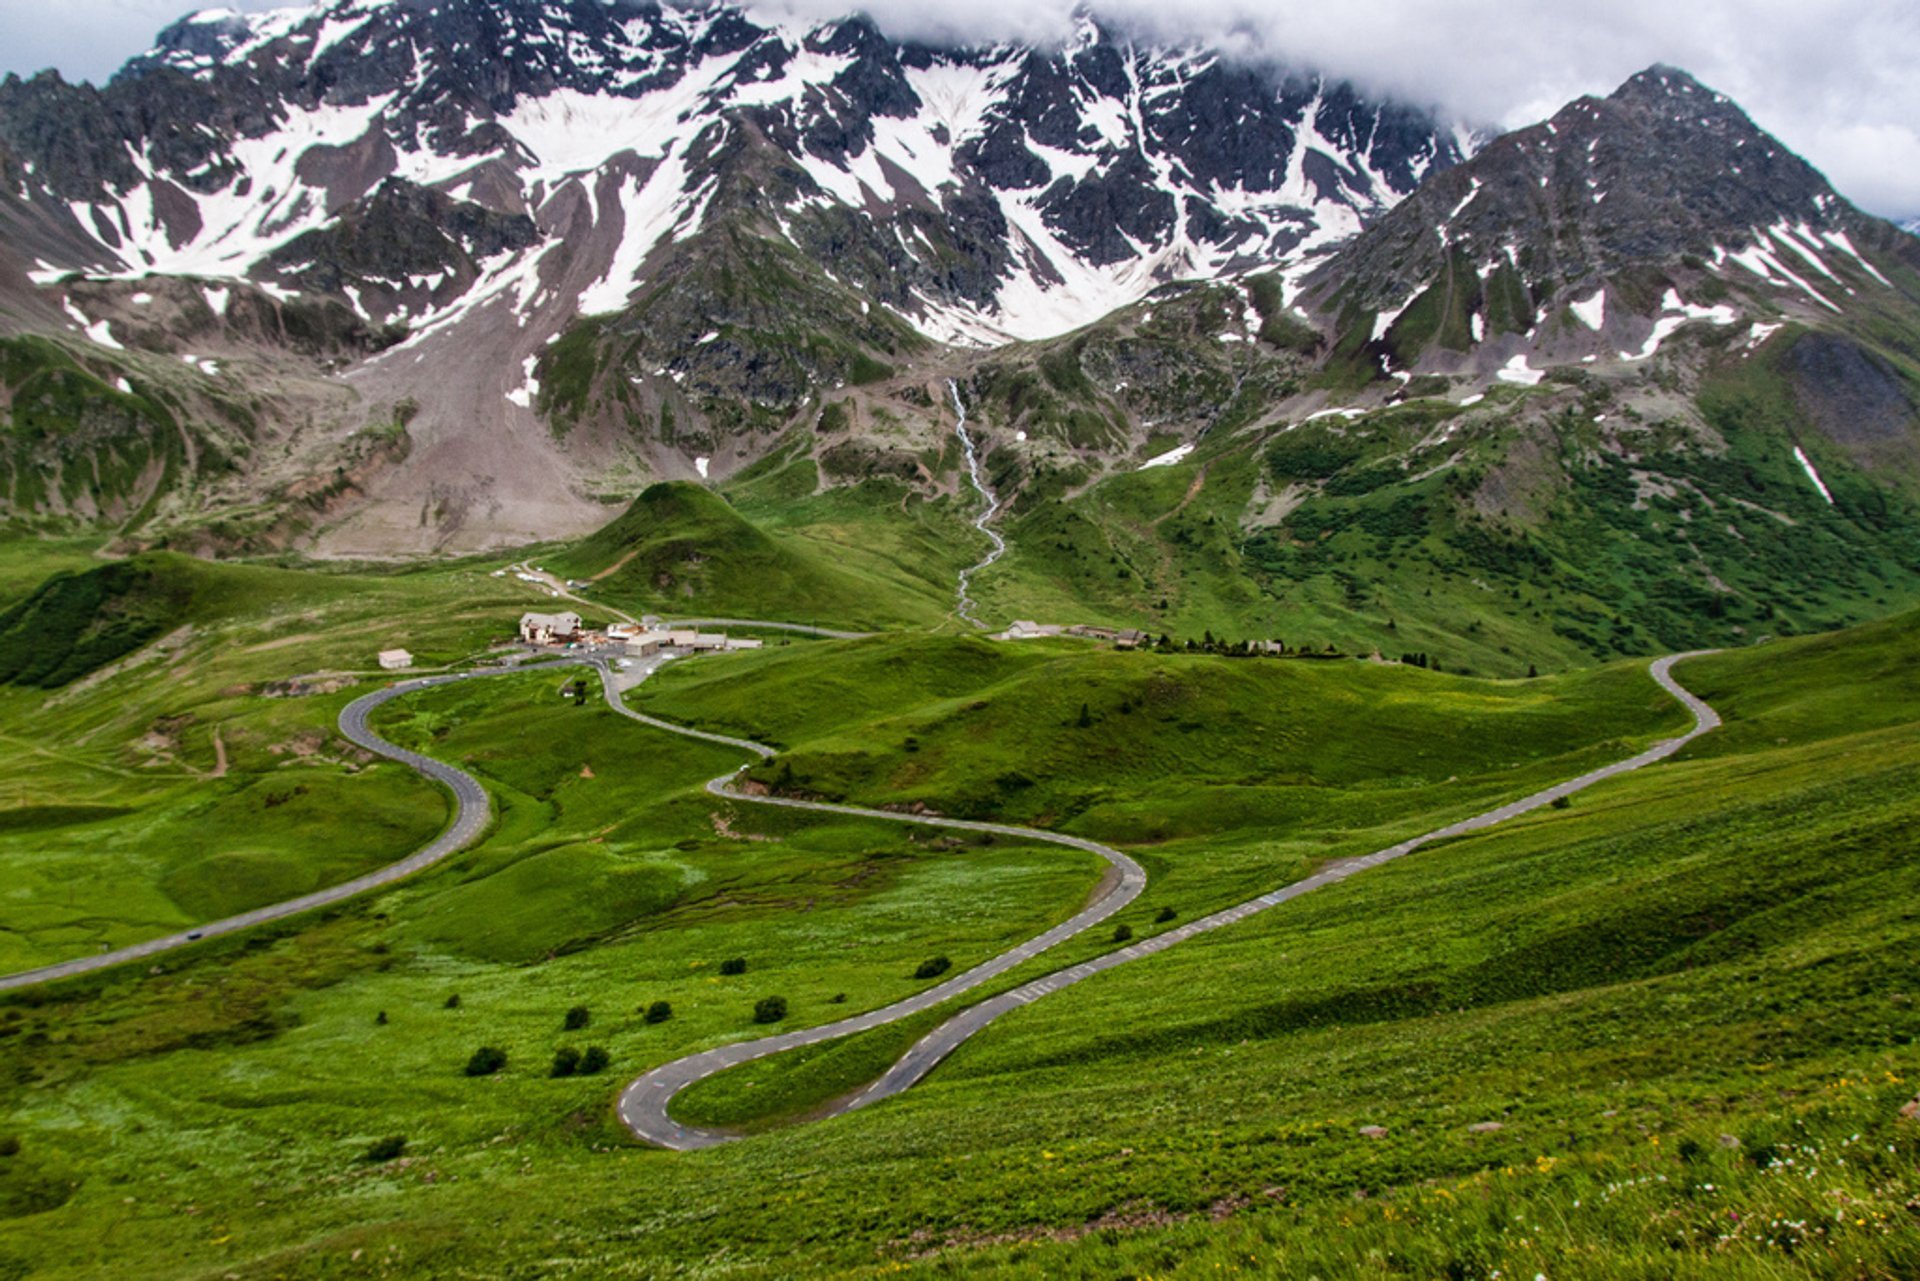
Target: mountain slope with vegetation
x,y
1627,1032
682,550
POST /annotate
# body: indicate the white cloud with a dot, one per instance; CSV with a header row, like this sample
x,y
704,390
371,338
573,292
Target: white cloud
x,y
1833,78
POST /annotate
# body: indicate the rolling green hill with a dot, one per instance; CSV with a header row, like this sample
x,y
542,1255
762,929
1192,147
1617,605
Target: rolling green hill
x,y
167,744
683,550
1141,746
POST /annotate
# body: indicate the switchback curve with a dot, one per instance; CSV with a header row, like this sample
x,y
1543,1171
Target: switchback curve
x,y
643,1104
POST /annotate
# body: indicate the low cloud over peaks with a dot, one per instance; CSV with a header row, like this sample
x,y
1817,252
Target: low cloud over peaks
x,y
1832,78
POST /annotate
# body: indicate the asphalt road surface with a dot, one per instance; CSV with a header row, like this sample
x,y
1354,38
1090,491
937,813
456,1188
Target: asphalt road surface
x,y
643,1105
806,629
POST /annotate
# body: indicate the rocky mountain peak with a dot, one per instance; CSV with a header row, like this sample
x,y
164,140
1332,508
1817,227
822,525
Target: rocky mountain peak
x,y
1046,185
1663,175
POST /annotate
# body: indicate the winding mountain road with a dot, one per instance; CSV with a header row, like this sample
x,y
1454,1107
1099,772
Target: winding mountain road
x,y
471,812
643,1104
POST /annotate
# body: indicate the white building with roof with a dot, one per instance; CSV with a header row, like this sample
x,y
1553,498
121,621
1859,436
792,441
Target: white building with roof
x,y
545,629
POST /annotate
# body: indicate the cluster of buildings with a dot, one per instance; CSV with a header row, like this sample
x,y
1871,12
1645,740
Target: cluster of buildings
x,y
650,636
1118,637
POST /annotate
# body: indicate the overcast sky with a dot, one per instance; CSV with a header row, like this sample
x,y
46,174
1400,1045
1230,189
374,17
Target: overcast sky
x,y
1837,80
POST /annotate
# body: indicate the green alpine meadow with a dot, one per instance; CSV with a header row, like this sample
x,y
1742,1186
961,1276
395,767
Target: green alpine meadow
x,y
746,642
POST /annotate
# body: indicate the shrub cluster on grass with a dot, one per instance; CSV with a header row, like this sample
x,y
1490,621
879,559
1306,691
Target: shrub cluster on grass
x,y
486,1060
577,1017
387,1149
1122,933
568,1061
933,967
658,1012
770,1009
737,965
1166,914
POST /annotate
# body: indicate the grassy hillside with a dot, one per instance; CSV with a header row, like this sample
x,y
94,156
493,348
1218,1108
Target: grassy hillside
x,y
1052,731
167,744
91,437
1662,1032
684,550
1548,527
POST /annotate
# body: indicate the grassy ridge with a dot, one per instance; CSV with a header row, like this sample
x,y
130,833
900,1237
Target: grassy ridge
x,y
1052,731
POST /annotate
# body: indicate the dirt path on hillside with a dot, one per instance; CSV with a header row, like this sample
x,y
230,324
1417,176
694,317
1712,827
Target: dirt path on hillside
x,y
1193,492
616,567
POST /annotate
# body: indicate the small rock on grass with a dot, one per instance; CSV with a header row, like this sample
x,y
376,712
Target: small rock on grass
x,y
1373,1131
1912,1110
1485,1127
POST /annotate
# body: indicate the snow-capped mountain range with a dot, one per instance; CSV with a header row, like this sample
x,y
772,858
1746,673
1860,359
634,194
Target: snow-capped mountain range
x,y
1063,183
400,276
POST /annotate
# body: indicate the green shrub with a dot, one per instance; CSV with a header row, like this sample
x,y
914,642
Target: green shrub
x,y
1121,933
566,1061
9,1145
453,1002
577,1017
380,1019
1166,914
738,965
770,1009
594,1061
387,1149
659,1012
1562,802
486,1060
933,968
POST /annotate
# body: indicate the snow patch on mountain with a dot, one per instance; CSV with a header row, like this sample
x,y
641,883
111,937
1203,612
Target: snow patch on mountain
x,y
265,205
1806,465
1519,371
1168,459
1592,312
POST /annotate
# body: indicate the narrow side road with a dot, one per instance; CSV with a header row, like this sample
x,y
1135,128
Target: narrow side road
x,y
643,1105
